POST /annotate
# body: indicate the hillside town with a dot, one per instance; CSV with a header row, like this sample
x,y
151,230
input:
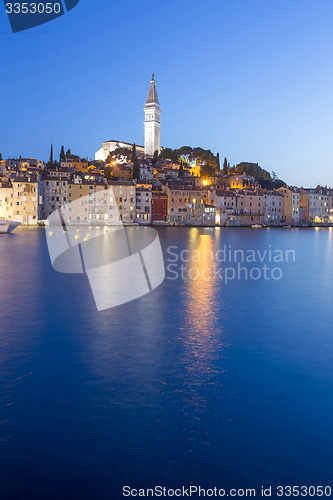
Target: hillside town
x,y
165,193
159,186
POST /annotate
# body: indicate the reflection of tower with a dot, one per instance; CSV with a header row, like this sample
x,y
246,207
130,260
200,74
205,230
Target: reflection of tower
x,y
152,121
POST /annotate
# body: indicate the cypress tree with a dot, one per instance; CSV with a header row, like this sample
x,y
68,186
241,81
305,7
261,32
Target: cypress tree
x,y
136,165
181,171
68,153
225,167
134,157
218,161
50,162
62,153
136,170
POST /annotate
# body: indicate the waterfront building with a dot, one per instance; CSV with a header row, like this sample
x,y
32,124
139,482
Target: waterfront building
x,y
6,199
124,193
302,215
143,204
291,204
250,207
159,207
316,203
85,210
273,207
54,192
225,204
185,202
27,201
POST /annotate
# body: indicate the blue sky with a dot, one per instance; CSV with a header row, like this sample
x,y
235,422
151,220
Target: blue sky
x,y
252,80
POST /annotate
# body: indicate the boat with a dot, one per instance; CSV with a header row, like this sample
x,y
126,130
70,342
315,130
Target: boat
x,y
256,225
7,226
43,223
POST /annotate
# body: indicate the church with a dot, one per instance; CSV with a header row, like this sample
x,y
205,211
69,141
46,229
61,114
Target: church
x,y
152,129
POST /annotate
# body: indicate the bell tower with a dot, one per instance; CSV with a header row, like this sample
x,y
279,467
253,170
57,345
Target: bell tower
x,y
152,120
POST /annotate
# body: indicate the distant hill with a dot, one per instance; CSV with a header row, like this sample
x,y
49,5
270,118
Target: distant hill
x,y
264,178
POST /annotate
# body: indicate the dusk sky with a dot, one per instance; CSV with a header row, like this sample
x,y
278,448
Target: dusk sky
x,y
252,80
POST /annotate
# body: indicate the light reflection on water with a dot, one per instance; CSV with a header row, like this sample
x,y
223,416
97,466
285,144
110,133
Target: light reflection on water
x,y
202,325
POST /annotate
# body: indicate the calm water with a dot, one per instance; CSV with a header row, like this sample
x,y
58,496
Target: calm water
x,y
198,382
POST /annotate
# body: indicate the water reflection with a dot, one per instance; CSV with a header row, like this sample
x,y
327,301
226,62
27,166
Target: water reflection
x,y
203,333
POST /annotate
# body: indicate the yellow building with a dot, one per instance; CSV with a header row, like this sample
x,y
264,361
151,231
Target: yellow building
x,y
291,204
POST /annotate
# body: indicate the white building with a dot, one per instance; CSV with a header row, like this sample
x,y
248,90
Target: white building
x,y
124,193
319,204
110,146
224,202
152,121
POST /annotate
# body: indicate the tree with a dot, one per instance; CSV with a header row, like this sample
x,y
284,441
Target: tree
x,y
62,154
168,154
181,171
134,157
50,162
68,153
136,165
108,173
218,161
207,171
0,157
136,170
274,176
155,158
225,167
119,153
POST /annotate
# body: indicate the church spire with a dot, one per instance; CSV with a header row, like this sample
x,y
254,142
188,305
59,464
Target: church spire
x,y
152,95
152,120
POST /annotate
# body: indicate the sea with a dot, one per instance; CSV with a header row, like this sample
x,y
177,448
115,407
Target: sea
x,y
221,377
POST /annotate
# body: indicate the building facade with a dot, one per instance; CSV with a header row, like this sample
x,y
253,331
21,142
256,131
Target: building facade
x,y
27,201
143,204
124,194
54,192
159,207
291,204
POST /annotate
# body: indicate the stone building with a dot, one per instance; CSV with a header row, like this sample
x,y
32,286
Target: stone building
x,y
27,201
143,204
54,192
